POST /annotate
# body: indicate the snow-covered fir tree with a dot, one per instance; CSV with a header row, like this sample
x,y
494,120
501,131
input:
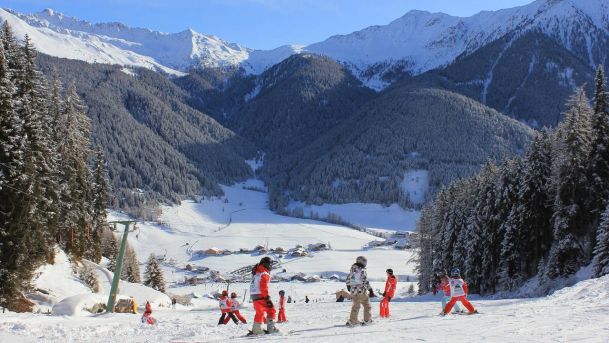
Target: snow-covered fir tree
x,y
571,217
87,274
130,270
153,276
599,159
601,251
98,208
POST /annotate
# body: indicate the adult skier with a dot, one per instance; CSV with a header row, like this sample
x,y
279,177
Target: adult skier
x,y
361,292
282,318
259,293
225,308
234,311
458,292
390,286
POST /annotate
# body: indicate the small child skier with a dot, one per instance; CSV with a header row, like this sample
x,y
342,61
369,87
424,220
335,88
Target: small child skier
x,y
234,310
225,304
458,292
446,298
147,316
282,318
390,286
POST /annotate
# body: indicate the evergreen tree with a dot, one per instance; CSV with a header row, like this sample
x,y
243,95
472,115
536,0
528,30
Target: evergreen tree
x,y
153,277
112,252
424,265
98,215
601,251
88,275
600,145
571,218
131,269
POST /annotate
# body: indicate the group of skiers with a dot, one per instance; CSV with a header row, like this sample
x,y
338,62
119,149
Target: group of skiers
x,y
230,309
454,287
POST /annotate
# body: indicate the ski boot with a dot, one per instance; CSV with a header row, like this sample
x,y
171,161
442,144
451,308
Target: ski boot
x,y
257,329
270,326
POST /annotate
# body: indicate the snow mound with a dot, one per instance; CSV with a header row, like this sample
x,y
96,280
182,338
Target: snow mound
x,y
78,305
586,291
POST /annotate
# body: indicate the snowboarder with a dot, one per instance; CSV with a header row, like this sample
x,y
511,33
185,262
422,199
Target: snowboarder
x,y
307,299
147,316
458,292
289,299
225,304
361,292
282,318
174,301
259,293
234,311
446,298
390,286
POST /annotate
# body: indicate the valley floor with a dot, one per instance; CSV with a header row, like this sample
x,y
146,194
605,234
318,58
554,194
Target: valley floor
x,y
574,314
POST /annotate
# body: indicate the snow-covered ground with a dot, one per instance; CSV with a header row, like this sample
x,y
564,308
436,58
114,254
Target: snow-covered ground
x,y
575,314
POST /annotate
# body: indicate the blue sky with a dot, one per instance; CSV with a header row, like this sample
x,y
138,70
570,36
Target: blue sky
x,y
262,24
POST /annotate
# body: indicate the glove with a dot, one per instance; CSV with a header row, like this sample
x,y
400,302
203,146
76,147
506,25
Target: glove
x,y
348,288
371,293
383,294
269,303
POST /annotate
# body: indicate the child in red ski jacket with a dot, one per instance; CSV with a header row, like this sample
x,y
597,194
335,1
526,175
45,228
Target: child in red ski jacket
x,y
147,316
234,311
390,286
259,293
225,304
282,318
458,292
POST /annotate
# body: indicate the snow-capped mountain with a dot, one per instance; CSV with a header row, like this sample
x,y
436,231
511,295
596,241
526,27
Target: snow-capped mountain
x,y
420,41
415,43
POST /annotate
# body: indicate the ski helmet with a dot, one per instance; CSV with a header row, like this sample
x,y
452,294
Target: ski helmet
x,y
389,271
266,262
455,272
233,295
282,292
361,260
224,293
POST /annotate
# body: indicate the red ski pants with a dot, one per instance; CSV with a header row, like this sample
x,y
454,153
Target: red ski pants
x,y
385,307
281,315
261,310
463,300
236,314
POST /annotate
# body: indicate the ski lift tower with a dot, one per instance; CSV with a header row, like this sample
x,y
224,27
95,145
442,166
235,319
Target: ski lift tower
x,y
119,262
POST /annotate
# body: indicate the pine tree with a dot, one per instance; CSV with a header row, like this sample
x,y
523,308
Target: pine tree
x,y
98,215
12,144
601,251
571,218
112,252
87,274
131,269
599,164
424,262
153,277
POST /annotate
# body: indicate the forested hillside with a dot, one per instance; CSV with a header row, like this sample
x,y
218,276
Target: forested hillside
x,y
365,157
158,147
542,215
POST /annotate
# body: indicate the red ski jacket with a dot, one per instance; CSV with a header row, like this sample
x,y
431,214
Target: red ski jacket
x,y
456,287
259,287
390,286
225,304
